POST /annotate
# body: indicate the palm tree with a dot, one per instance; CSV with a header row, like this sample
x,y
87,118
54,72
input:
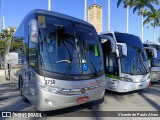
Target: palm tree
x,y
140,5
126,5
154,16
7,33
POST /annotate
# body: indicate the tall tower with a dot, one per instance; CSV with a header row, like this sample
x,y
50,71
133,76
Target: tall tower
x,y
95,16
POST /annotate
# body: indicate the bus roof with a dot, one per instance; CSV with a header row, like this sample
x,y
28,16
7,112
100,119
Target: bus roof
x,y
56,14
127,38
151,43
105,32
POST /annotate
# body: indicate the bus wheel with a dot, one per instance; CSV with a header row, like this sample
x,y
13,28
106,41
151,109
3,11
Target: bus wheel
x,y
21,89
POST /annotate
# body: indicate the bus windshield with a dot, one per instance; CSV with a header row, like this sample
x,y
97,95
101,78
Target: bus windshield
x,y
68,48
134,63
155,62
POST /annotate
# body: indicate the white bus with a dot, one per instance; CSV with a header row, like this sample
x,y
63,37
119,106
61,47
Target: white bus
x,y
127,68
60,61
154,62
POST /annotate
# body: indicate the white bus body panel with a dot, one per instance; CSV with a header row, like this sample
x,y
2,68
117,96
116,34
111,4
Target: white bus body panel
x,y
155,74
45,100
139,82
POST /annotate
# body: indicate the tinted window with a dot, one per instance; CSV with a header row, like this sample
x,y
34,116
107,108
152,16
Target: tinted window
x,y
134,62
111,66
155,62
69,48
33,57
17,45
128,39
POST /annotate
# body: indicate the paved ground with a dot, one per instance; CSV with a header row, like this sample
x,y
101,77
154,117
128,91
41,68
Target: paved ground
x,y
142,100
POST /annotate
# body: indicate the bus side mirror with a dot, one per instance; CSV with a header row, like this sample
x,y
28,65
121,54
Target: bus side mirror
x,y
108,43
151,52
12,58
33,31
121,50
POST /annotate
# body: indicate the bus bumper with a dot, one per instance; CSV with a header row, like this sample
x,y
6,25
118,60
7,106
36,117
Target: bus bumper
x,y
124,86
131,86
155,76
50,101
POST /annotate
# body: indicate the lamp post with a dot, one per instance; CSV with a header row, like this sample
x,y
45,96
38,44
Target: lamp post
x,y
108,15
0,15
49,5
147,31
85,10
127,17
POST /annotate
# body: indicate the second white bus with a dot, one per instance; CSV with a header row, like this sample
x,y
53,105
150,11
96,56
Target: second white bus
x,y
126,67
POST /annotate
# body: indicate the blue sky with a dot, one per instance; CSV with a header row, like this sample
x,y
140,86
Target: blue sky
x,y
15,10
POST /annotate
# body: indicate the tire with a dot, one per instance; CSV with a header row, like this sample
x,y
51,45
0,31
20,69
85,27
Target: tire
x,y
21,89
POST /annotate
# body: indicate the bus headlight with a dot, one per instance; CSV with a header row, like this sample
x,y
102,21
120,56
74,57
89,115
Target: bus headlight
x,y
127,79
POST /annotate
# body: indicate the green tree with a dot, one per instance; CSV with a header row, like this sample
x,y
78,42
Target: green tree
x,y
2,46
5,35
140,6
154,17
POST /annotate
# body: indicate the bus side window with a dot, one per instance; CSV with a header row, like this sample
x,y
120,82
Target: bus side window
x,y
17,46
32,55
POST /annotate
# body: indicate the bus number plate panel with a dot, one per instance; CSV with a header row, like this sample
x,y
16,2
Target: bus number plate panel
x,y
50,82
82,99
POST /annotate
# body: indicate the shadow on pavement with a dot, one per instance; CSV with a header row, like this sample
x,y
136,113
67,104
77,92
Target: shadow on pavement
x,y
144,93
151,102
153,90
84,110
119,96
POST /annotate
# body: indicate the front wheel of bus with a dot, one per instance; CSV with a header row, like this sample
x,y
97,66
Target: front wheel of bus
x,y
21,90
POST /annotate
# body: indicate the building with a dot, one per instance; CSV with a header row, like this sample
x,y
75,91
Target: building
x,y
95,16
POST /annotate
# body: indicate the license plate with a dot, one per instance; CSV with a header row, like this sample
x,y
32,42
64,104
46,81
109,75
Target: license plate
x,y
82,99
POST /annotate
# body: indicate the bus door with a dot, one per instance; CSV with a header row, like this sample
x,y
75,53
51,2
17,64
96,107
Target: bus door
x,y
110,62
151,53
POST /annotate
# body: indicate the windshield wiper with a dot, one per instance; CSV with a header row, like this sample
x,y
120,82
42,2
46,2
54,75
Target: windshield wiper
x,y
141,62
93,66
71,59
143,66
134,69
